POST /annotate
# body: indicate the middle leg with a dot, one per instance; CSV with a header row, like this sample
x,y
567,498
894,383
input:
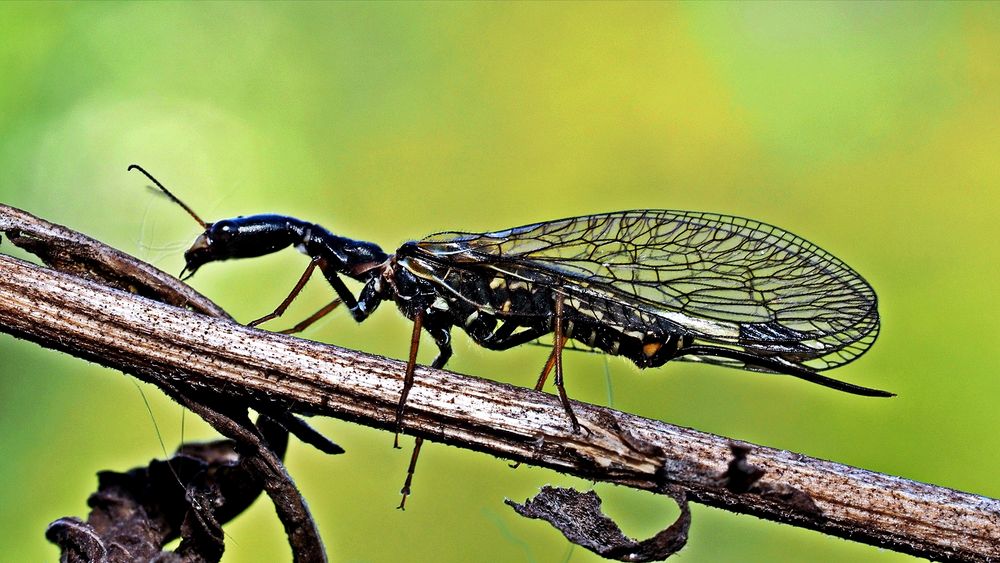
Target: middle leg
x,y
442,337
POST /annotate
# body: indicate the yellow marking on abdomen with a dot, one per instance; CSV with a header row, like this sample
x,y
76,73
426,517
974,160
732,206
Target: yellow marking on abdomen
x,y
651,348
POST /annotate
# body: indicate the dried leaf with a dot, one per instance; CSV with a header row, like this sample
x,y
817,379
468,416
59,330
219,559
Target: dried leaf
x,y
578,516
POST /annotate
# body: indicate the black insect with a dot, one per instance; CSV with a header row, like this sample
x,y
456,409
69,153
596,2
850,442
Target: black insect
x,y
650,285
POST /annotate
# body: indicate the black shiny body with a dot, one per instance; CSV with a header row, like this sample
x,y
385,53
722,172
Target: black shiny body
x,y
493,287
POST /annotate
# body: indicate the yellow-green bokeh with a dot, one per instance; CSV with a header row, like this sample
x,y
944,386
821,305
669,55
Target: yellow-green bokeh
x,y
872,129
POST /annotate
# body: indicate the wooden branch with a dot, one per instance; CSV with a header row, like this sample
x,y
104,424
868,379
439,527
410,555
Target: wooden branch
x,y
136,510
274,372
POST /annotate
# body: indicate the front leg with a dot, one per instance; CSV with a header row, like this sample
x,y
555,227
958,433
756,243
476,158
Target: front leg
x,y
368,300
366,303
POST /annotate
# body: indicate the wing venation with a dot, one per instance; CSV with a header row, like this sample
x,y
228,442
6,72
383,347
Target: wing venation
x,y
699,270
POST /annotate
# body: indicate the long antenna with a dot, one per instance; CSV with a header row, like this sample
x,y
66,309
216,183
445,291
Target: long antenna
x,y
191,212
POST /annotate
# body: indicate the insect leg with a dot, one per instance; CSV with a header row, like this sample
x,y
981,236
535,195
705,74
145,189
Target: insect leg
x,y
557,346
405,491
782,366
549,364
280,309
367,301
360,308
313,318
504,338
442,337
411,365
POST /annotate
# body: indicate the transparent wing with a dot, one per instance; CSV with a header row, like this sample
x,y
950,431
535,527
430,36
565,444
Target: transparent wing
x,y
723,279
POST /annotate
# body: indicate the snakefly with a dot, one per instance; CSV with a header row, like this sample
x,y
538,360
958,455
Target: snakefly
x,y
649,285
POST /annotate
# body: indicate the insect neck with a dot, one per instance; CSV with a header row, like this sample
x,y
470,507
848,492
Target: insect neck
x,y
354,258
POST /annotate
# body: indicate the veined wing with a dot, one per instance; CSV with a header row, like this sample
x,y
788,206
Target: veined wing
x,y
724,279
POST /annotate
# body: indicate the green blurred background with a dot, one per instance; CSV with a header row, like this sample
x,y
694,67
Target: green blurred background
x,y
871,129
